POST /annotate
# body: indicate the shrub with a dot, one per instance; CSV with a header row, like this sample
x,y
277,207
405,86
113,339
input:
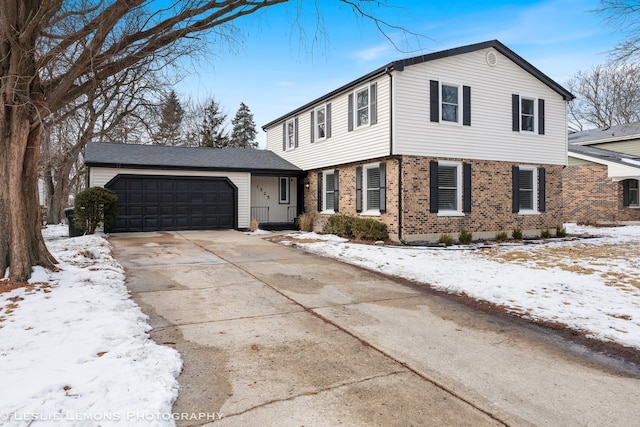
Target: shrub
x,y
545,234
561,231
93,207
307,221
446,239
516,234
369,229
340,225
254,225
354,227
465,236
501,236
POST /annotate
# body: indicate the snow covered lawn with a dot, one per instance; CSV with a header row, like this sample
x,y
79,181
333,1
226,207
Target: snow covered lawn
x,y
591,284
74,349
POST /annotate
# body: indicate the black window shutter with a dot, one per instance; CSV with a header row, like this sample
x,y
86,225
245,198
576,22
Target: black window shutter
x,y
336,190
373,95
515,189
327,124
434,100
313,131
295,126
541,116
433,186
466,105
515,113
383,187
466,187
320,204
625,193
359,189
542,190
350,110
284,136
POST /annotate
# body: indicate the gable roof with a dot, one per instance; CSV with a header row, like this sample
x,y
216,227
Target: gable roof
x,y
401,64
139,156
606,134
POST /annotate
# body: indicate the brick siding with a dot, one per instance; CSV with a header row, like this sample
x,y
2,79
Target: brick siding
x,y
591,197
491,199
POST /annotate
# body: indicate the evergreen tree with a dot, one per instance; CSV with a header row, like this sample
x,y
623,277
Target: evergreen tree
x,y
212,132
170,126
243,134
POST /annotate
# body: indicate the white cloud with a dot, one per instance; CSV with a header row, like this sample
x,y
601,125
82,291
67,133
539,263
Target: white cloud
x,y
371,54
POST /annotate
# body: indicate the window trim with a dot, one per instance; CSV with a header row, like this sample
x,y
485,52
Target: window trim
x,y
637,191
316,123
534,101
459,105
325,195
534,180
287,199
365,190
459,184
290,139
355,107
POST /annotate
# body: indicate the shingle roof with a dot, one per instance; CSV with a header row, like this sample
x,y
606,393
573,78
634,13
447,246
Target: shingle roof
x,y
109,154
609,133
401,64
606,155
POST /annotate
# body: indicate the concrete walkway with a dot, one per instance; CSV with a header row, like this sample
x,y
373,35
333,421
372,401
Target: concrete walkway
x,y
273,336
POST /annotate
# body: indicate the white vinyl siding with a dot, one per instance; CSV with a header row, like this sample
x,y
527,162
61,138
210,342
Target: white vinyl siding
x,y
265,193
490,136
98,177
368,142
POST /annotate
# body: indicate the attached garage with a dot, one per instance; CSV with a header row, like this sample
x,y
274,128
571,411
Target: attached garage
x,y
154,203
164,188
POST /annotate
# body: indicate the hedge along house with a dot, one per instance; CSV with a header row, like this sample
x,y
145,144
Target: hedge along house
x,y
469,138
186,188
600,183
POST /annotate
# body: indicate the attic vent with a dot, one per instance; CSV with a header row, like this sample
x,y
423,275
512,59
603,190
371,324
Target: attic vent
x,y
492,58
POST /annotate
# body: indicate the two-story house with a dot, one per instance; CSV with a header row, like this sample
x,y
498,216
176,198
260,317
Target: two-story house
x,y
600,183
468,138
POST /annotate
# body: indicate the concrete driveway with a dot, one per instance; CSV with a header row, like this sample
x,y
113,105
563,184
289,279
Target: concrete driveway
x,y
273,336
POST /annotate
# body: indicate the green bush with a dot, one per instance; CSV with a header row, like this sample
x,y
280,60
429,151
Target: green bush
x,y
545,234
446,239
501,236
93,207
354,227
561,231
516,234
465,236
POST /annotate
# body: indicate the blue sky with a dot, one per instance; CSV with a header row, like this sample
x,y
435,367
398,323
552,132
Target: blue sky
x,y
280,61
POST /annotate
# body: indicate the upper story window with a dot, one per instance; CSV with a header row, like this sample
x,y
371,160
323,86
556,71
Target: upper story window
x,y
527,114
290,134
362,108
450,103
321,123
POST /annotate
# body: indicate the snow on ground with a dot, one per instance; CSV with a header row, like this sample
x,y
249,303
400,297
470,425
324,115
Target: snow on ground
x,y
74,349
588,284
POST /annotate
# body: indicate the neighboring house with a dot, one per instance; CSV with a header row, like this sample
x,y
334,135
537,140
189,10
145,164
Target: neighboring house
x,y
473,137
185,188
600,183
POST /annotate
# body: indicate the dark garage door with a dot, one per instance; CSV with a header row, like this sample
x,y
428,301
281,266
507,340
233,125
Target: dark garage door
x,y
154,203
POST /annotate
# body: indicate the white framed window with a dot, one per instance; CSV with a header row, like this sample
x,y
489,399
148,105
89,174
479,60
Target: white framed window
x,y
320,126
632,196
528,114
528,189
371,187
290,134
449,188
283,190
362,107
450,100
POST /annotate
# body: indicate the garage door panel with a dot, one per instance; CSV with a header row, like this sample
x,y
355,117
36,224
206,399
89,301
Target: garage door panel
x,y
153,203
